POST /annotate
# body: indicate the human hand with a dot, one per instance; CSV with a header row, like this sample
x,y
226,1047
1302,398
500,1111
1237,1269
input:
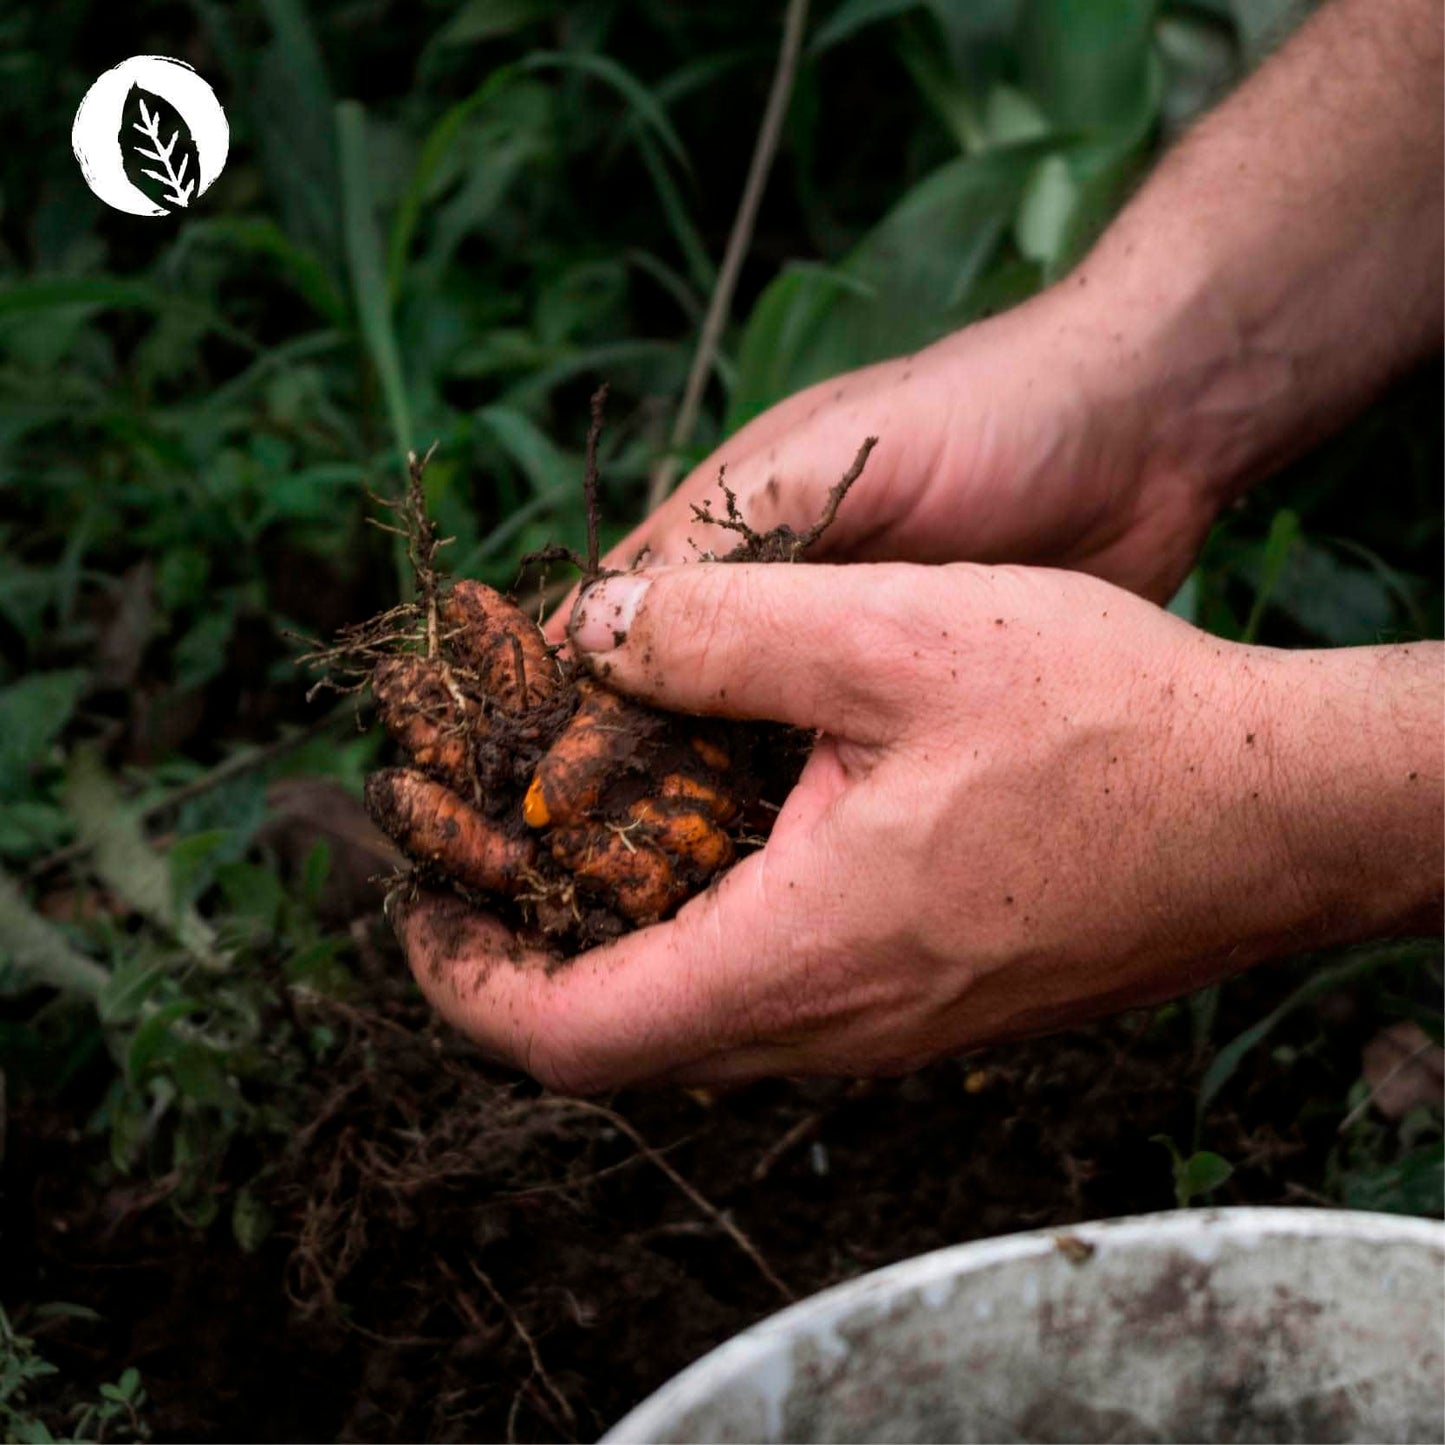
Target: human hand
x,y
1034,798
1031,437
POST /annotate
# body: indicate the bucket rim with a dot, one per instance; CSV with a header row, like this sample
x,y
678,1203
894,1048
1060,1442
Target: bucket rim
x,y
1200,1232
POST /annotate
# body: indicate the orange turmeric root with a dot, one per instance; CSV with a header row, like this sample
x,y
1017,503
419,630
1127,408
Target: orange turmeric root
x,y
433,726
431,823
498,642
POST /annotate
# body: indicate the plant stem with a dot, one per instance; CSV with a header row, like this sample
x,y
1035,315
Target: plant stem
x,y
739,239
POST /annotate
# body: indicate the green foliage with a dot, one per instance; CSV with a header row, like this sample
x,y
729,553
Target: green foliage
x,y
447,223
115,1415
1196,1176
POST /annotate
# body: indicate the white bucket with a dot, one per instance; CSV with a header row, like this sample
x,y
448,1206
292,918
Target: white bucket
x,y
1205,1325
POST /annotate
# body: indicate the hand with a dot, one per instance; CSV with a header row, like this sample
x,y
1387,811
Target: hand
x,y
1032,437
1034,798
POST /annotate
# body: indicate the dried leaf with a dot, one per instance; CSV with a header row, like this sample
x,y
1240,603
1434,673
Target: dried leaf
x,y
1404,1069
125,860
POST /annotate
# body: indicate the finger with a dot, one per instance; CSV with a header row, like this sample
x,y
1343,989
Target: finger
x,y
661,998
781,468
819,647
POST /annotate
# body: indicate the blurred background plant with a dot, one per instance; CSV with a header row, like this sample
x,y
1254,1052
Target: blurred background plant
x,y
448,221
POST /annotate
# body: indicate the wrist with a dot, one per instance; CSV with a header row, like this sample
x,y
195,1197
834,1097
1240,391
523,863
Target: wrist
x,y
1341,755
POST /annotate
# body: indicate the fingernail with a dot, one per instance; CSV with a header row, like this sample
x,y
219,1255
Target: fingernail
x,y
604,611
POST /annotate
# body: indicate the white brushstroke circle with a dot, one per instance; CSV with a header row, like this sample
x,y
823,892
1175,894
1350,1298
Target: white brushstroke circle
x,y
95,136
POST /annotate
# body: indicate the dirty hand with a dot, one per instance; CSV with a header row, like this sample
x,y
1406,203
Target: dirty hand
x,y
1037,436
1034,798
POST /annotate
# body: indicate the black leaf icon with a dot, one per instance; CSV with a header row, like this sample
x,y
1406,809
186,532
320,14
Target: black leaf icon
x,y
160,153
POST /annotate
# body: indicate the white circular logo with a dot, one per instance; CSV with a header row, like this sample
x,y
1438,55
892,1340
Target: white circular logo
x,y
153,141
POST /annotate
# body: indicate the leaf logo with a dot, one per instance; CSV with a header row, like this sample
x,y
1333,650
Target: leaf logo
x,y
172,177
150,136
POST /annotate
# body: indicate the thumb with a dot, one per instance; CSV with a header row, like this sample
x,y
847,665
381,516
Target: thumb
x,y
810,645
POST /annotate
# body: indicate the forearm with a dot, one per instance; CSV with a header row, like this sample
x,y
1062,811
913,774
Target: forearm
x,y
1334,764
1284,262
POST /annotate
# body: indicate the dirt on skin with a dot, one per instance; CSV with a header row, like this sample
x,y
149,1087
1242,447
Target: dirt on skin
x,y
530,788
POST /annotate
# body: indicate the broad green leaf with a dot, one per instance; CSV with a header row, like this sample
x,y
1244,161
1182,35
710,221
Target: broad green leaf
x,y
253,892
193,862
124,994
1088,62
1044,224
39,952
1010,116
1335,601
125,860
1201,63
1414,1184
907,283
33,711
1201,1173
1185,602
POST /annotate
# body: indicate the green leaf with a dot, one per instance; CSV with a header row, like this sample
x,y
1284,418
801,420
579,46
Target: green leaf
x,y
124,994
1044,224
627,85
908,282
39,951
33,712
854,15
1198,1174
319,967
193,862
261,236
435,150
369,291
125,861
1414,1184
1088,62
1201,1173
200,652
1354,964
545,465
155,1042
17,297
1336,601
1284,533
253,892
487,19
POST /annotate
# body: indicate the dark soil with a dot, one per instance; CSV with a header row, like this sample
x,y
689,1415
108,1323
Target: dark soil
x,y
457,1256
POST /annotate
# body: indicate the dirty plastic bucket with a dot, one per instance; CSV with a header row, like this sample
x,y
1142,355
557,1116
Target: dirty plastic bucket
x,y
1206,1325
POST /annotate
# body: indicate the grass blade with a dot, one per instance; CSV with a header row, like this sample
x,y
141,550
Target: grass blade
x,y
368,276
